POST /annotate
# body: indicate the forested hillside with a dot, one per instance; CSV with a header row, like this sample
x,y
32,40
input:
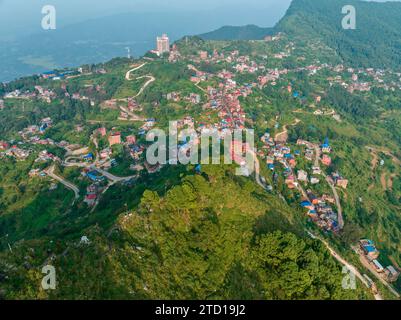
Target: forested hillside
x,y
210,237
376,41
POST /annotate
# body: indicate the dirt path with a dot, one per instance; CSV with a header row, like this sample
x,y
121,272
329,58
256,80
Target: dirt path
x,y
133,116
391,180
383,181
282,137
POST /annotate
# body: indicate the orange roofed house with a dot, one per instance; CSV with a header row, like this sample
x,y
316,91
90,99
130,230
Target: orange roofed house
x,y
115,138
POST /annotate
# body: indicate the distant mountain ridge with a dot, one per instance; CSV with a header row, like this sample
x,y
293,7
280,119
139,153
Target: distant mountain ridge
x,y
248,32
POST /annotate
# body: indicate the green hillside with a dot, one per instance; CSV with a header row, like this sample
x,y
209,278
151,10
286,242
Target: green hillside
x,y
376,41
209,237
186,232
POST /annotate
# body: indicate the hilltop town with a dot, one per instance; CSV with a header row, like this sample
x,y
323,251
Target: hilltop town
x,y
310,151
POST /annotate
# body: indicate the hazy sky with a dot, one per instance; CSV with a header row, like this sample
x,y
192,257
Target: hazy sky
x,y
21,17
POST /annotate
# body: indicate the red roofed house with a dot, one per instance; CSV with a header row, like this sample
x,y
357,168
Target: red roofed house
x,y
102,131
326,160
90,199
4,145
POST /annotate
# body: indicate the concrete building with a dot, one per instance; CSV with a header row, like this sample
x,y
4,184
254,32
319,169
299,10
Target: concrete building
x,y
163,44
302,176
391,274
379,268
369,249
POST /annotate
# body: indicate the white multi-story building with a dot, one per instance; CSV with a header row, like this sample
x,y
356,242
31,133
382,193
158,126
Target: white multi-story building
x,y
163,44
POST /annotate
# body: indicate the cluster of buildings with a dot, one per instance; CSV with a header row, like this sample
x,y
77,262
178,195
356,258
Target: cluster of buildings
x,y
57,75
176,97
45,156
320,208
45,94
320,211
133,105
15,152
31,133
147,125
17,94
92,194
175,55
387,80
371,255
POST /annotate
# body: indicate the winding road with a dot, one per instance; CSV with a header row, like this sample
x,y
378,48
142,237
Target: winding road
x,y
147,83
282,137
128,74
67,184
345,263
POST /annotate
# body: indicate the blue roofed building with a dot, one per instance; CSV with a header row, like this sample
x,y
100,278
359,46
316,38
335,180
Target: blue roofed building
x,y
95,176
89,157
326,146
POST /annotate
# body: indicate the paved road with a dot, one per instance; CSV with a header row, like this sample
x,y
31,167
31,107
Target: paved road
x,y
151,79
128,74
350,267
373,271
112,177
69,185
